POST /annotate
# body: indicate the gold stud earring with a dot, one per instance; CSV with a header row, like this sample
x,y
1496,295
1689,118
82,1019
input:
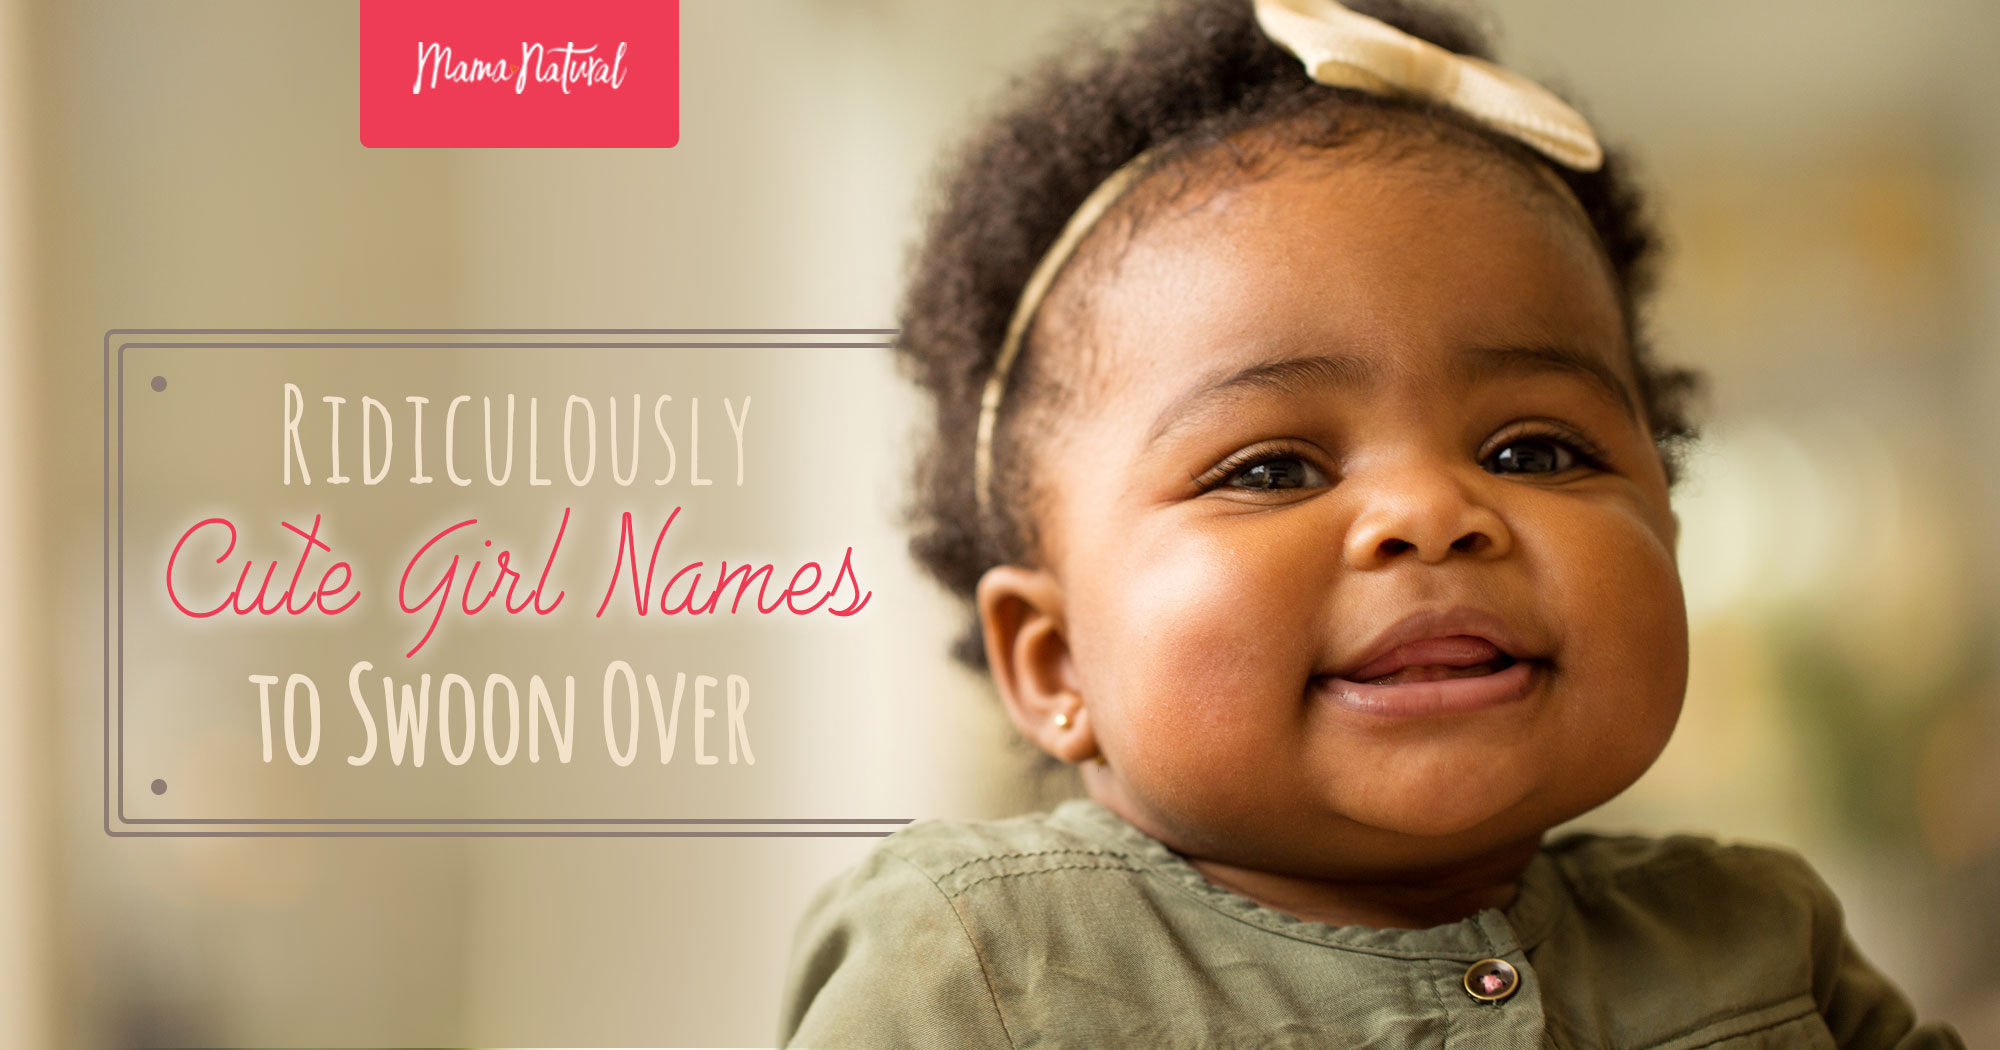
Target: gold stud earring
x,y
1062,720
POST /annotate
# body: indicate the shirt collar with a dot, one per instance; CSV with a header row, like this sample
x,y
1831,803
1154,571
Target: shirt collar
x,y
1493,932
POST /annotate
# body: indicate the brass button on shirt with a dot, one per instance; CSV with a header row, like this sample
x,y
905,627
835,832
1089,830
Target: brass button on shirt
x,y
1075,929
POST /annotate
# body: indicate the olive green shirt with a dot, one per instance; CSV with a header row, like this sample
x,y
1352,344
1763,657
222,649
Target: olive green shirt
x,y
1075,929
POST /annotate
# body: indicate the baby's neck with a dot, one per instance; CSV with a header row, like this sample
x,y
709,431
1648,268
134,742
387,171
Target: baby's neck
x,y
1490,882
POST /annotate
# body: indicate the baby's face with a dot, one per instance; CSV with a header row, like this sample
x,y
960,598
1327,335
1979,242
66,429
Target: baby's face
x,y
1326,401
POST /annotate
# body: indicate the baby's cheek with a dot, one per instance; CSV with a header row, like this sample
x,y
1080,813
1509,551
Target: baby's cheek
x,y
1640,588
1194,631
1625,627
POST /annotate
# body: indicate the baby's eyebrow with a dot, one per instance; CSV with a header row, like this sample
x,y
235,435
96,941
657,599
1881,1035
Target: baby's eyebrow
x,y
1486,362
1361,372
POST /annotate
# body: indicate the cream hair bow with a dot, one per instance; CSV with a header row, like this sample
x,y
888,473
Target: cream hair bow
x,y
1340,48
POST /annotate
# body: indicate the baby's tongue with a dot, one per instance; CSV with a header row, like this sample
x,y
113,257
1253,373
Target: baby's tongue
x,y
1459,656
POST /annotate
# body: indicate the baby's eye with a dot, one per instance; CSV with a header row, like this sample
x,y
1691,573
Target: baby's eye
x,y
1536,455
1275,472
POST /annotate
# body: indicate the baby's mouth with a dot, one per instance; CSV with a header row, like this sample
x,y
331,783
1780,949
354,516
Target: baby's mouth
x,y
1439,672
1435,676
1432,660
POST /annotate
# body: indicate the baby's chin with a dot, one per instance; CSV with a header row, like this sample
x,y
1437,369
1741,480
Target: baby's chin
x,y
1453,808
1384,834
1485,780
1461,814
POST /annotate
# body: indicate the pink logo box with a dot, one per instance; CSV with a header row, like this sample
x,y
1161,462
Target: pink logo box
x,y
478,73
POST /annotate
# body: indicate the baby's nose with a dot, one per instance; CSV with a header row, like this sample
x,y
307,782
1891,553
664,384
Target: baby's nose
x,y
1426,510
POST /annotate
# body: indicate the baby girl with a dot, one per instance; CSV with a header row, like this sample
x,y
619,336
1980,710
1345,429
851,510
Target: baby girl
x,y
1301,456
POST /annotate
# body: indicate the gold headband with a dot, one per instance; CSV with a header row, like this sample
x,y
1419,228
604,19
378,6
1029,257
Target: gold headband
x,y
1340,48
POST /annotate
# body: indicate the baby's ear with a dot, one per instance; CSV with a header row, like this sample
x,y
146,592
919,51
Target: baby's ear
x,y
1027,647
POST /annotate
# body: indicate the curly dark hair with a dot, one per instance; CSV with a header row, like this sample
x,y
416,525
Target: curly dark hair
x,y
1186,85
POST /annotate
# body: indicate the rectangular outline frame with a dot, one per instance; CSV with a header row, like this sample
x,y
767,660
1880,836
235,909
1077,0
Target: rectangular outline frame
x,y
479,827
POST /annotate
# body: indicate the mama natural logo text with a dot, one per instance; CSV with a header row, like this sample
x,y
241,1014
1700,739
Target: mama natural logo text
x,y
561,66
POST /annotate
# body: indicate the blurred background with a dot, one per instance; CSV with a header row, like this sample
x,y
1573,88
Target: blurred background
x,y
1828,173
